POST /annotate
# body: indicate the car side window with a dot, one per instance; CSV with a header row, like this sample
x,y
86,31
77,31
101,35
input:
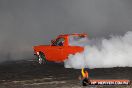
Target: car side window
x,y
59,42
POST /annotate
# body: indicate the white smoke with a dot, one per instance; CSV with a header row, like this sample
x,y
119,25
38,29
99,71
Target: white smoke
x,y
76,41
103,53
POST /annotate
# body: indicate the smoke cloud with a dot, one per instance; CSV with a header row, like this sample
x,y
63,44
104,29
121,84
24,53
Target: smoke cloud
x,y
104,53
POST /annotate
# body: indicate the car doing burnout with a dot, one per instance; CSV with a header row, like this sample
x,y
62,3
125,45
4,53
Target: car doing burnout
x,y
59,49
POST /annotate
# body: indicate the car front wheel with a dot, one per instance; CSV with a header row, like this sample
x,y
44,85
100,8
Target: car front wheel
x,y
40,58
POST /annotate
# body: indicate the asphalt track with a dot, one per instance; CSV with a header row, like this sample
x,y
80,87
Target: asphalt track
x,y
29,74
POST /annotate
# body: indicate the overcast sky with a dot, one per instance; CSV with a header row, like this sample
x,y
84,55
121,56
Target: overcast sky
x,y
24,23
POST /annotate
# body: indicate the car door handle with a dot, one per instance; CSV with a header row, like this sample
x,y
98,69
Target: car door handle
x,y
60,48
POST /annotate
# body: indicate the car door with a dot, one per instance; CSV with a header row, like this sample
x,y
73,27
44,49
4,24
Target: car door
x,y
57,49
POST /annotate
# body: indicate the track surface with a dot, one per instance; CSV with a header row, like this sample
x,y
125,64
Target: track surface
x,y
29,74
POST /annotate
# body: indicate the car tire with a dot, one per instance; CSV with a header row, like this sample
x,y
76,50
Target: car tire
x,y
41,59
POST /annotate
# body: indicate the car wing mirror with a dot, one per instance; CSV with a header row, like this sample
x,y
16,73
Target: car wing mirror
x,y
52,42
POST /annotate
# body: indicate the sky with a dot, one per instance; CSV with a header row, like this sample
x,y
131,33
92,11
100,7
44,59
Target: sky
x,y
25,23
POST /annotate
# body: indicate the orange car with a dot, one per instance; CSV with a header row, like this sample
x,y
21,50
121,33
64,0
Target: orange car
x,y
59,49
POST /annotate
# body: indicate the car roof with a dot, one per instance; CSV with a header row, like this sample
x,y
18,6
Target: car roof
x,y
74,34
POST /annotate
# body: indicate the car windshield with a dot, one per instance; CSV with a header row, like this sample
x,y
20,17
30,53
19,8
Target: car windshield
x,y
58,42
76,40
